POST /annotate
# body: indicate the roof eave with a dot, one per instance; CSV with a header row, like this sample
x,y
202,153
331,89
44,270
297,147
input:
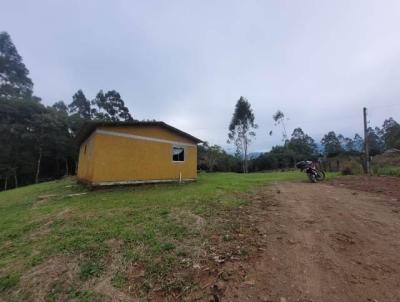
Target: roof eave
x,y
89,127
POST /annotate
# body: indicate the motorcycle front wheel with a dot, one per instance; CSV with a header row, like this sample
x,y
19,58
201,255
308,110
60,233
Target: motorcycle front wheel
x,y
320,176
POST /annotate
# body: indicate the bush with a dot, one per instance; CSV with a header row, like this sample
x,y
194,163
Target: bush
x,y
347,171
390,171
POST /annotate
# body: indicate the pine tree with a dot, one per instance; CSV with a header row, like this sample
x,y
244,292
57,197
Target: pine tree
x,y
14,80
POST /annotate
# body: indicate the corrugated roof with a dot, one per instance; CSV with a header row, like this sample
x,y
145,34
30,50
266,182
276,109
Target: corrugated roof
x,y
89,127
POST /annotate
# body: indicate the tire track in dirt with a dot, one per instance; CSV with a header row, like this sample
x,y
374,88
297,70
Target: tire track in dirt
x,y
324,243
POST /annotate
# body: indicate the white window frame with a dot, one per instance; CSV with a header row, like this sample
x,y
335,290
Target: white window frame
x,y
184,153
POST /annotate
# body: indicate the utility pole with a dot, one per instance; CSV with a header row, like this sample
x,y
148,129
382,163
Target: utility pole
x,y
367,167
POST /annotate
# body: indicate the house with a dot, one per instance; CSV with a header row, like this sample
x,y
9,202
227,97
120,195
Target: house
x,y
113,153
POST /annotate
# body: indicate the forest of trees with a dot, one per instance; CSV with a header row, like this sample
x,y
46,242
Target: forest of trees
x,y
37,141
299,146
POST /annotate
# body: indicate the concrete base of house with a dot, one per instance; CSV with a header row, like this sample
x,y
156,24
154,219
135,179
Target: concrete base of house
x,y
133,182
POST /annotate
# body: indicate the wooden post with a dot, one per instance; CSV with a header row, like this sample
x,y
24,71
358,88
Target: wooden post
x,y
366,150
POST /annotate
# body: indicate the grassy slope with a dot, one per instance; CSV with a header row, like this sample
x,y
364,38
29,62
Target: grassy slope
x,y
34,228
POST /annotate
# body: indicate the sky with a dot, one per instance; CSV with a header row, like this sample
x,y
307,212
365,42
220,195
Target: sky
x,y
188,62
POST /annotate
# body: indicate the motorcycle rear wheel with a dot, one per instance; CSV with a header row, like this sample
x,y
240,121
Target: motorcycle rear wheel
x,y
312,177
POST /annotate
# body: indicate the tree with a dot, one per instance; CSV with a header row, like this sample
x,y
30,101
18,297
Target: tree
x,y
53,140
41,131
110,107
391,133
80,105
331,143
375,142
241,129
342,141
65,149
35,139
279,118
60,107
302,144
358,143
211,154
280,157
17,139
265,161
14,80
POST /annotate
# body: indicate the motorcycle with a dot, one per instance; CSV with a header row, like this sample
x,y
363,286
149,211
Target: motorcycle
x,y
313,173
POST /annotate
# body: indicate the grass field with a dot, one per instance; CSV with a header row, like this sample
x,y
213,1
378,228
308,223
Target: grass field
x,y
152,227
386,170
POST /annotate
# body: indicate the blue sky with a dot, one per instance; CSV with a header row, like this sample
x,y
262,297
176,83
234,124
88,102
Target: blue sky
x,y
188,62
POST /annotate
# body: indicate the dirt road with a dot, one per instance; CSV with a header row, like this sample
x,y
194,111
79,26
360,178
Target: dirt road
x,y
322,243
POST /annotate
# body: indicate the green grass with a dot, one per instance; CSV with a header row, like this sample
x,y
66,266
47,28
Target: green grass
x,y
387,170
119,280
8,281
141,219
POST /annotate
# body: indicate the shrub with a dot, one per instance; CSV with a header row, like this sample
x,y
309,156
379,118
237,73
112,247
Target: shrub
x,y
347,171
389,170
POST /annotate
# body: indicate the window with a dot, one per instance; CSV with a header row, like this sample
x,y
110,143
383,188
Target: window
x,y
178,154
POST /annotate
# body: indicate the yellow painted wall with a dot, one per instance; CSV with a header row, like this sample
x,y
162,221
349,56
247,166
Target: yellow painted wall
x,y
86,158
118,159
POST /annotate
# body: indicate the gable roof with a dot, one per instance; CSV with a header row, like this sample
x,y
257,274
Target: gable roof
x,y
88,128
